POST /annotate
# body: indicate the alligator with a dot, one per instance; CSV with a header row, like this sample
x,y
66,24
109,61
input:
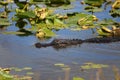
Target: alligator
x,y
63,43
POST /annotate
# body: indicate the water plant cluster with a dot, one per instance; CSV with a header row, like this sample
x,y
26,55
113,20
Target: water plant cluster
x,y
44,20
96,71
5,73
12,72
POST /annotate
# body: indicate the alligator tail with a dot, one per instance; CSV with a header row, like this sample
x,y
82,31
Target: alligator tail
x,y
102,40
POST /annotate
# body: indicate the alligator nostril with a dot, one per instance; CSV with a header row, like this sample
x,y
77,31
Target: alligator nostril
x,y
38,45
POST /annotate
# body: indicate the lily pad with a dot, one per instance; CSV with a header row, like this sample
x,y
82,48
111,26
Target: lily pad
x,y
93,66
4,22
48,32
97,3
93,9
26,14
59,64
45,32
78,78
27,68
13,33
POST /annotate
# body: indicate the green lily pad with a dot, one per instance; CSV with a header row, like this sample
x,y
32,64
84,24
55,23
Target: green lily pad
x,y
4,22
26,14
27,68
97,3
93,66
59,64
101,33
93,9
78,78
13,33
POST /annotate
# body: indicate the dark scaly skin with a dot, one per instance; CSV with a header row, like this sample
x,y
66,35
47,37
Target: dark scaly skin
x,y
63,43
102,40
60,43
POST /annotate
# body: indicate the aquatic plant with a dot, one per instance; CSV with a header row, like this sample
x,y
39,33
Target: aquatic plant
x,y
54,2
5,74
43,20
93,66
96,71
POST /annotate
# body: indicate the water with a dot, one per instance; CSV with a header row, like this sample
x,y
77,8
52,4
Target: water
x,y
16,51
20,52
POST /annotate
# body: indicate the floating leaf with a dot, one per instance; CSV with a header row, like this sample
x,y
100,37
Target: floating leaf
x,y
45,32
106,22
88,63
72,19
57,22
27,68
93,66
93,9
101,33
1,6
48,22
26,14
81,20
4,22
17,69
66,7
76,29
77,78
48,32
12,32
4,2
97,3
105,29
66,68
5,76
60,64
29,73
86,67
63,66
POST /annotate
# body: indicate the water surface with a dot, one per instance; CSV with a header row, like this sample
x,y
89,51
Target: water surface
x,y
16,51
